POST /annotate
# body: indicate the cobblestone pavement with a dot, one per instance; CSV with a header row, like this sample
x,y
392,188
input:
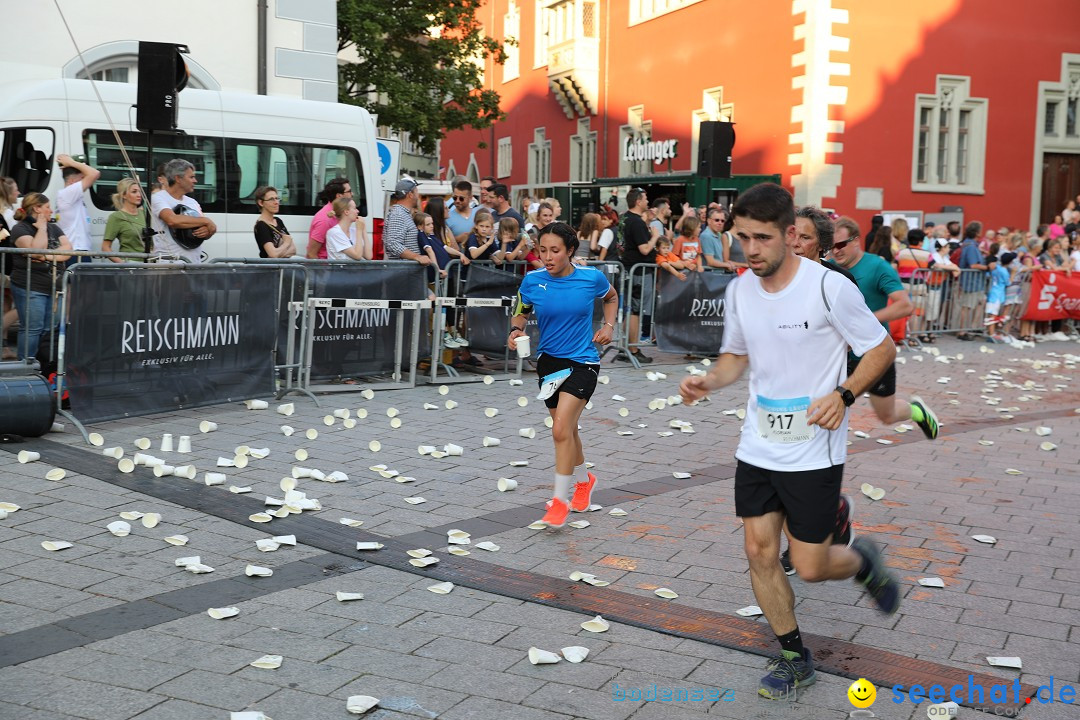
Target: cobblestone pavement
x,y
116,630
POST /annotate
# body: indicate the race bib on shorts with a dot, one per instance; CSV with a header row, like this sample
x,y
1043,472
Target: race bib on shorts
x,y
550,383
783,420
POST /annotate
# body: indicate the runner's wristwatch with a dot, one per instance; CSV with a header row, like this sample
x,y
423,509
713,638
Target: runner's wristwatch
x,y
845,395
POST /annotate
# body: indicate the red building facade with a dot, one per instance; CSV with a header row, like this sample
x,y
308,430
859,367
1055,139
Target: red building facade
x,y
861,107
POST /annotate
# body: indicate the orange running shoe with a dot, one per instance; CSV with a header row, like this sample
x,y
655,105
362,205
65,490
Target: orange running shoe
x,y
556,515
582,498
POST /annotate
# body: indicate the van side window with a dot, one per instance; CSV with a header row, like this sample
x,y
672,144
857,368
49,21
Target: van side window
x,y
298,171
206,153
26,154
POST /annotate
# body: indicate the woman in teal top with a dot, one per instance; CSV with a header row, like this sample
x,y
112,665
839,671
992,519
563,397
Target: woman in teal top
x,y
562,294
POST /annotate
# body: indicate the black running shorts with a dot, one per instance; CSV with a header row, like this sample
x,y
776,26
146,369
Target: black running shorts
x,y
580,384
885,385
808,498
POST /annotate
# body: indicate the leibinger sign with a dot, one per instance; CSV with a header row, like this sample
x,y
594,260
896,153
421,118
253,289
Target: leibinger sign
x,y
634,150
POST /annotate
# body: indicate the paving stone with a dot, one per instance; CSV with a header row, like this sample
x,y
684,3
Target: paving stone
x,y
216,690
476,708
315,678
388,664
403,696
571,700
181,710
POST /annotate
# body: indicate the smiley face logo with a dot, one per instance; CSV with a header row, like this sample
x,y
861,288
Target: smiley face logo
x,y
862,693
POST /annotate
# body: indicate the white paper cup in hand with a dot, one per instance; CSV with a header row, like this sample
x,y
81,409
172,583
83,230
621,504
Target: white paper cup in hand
x,y
523,346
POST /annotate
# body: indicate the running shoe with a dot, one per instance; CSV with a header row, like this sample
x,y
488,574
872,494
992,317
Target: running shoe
x,y
786,676
924,417
460,339
842,533
556,513
880,583
785,562
450,342
582,498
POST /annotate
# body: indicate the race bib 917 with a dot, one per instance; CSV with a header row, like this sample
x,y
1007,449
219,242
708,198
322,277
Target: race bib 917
x,y
783,420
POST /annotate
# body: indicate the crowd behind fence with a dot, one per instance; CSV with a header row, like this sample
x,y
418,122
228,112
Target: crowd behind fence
x,y
289,335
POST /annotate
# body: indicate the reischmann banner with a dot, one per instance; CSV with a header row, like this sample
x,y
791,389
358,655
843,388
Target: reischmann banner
x,y
689,314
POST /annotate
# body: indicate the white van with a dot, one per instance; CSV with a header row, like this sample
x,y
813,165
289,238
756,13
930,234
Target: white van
x,y
236,141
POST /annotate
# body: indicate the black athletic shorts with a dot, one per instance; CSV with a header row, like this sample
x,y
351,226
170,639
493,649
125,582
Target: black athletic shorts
x,y
885,385
580,384
807,497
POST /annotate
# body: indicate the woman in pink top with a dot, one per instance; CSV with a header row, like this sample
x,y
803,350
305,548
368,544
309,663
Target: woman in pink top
x,y
325,218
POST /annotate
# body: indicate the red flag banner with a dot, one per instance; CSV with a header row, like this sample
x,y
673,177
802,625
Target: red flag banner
x,y
1054,296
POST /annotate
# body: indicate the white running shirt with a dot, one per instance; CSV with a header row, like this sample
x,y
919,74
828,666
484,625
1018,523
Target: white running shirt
x,y
73,218
798,353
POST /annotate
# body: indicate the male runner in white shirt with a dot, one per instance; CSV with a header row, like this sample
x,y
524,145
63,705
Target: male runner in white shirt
x,y
793,444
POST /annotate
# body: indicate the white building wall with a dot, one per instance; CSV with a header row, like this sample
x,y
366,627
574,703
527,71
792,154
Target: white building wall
x,y
222,35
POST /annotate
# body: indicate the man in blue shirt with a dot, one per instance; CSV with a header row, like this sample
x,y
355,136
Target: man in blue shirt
x,y
712,244
972,284
462,213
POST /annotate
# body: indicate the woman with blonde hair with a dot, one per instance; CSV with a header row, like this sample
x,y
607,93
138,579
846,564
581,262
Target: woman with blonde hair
x,y
127,224
9,195
899,235
33,283
347,240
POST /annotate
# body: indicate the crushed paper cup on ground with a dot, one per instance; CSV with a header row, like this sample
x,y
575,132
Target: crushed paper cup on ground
x,y
575,653
932,582
237,490
177,539
119,528
617,512
267,662
260,517
258,571
369,546
285,539
360,704
1007,662
185,561
424,561
442,588
267,544
223,612
56,474
348,596
350,522
487,545
985,539
596,625
418,553
54,545
249,715
749,611
519,463
666,593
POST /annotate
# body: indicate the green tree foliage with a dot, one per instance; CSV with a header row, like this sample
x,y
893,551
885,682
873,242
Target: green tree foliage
x,y
420,65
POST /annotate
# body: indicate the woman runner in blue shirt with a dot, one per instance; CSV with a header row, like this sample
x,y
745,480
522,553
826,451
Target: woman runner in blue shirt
x,y
562,294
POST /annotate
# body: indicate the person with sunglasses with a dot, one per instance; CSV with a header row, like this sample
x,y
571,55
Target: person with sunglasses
x,y
886,297
462,215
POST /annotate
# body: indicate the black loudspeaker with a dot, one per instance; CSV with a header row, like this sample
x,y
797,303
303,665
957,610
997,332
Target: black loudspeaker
x,y
162,75
715,143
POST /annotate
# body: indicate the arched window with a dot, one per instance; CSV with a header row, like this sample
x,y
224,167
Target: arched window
x,y
119,62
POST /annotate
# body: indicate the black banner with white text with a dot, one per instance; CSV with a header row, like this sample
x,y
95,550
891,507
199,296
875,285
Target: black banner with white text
x,y
689,317
150,339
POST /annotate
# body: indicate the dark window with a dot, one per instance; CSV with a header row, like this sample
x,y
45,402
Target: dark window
x,y
204,152
26,154
1050,124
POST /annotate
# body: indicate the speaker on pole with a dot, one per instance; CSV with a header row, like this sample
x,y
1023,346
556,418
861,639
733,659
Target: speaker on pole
x,y
715,143
162,75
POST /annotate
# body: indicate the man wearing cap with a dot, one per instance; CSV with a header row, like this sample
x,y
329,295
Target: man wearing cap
x,y
399,238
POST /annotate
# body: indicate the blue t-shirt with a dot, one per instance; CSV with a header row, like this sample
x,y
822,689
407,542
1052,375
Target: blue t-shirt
x,y
441,256
969,255
999,280
564,310
459,223
711,245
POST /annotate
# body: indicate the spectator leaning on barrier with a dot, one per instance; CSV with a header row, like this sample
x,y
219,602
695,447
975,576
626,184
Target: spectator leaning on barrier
x,y
324,219
399,233
127,224
348,240
462,212
180,180
33,286
71,205
271,235
688,244
972,284
639,246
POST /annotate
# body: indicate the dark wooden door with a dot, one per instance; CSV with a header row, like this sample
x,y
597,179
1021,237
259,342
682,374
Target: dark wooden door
x,y
1060,183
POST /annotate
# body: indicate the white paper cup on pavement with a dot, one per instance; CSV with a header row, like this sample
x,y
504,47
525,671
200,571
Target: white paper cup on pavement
x,y
28,456
126,465
206,426
114,452
506,484
143,443
523,345
527,432
491,441
256,404
213,478
163,470
286,409
185,471
166,443
184,445
452,449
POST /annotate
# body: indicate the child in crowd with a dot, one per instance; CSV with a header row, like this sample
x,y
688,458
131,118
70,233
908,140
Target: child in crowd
x,y
1000,277
430,245
516,244
668,260
688,246
483,243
